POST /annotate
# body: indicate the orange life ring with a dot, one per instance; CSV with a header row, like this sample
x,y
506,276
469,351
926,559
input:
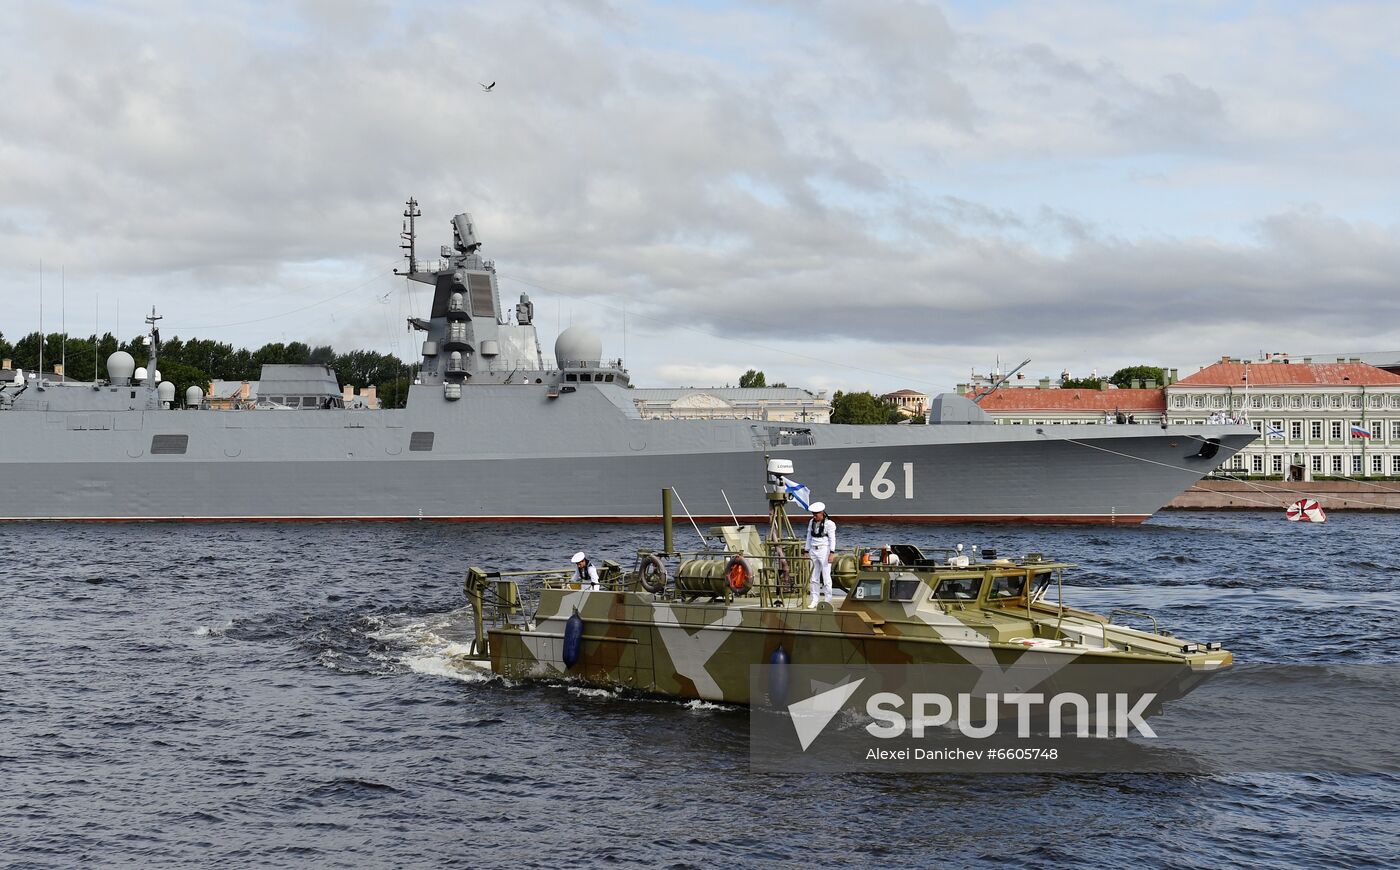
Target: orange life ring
x,y
738,575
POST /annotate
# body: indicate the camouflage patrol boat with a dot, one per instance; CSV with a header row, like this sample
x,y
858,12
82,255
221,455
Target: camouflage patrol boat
x,y
692,624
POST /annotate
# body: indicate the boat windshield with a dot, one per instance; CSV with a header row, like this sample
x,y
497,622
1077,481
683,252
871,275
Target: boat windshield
x,y
1007,586
957,589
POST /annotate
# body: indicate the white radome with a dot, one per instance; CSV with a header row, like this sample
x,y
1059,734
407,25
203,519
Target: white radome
x,y
120,365
577,345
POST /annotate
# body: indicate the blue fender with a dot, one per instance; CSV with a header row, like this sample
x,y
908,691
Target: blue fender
x,y
573,639
778,677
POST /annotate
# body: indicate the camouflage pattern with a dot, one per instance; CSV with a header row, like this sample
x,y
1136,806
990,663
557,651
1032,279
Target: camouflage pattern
x,y
698,640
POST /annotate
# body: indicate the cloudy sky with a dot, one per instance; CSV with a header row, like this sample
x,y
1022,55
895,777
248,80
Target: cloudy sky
x,y
846,195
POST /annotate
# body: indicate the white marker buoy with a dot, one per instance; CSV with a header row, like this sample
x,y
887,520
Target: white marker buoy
x,y
1306,510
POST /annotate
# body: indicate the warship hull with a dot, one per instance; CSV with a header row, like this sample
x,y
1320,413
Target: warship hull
x,y
526,452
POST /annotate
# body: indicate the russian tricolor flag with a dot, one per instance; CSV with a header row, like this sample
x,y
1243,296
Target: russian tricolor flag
x,y
1358,432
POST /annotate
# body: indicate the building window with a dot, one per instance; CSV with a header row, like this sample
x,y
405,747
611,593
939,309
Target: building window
x,y
1395,464
1295,429
1198,401
1256,401
1217,401
1317,464
1315,401
1276,463
1337,431
1336,465
1356,401
1295,401
1237,401
1356,463
1178,401
1256,463
1395,400
1395,430
1237,462
1376,400
1258,426
1336,401
1276,401
1276,425
1315,430
1355,424
1377,463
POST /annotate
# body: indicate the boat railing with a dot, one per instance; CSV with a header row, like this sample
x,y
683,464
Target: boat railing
x,y
1150,618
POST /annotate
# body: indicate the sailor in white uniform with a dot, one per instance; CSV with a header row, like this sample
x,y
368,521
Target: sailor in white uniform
x,y
821,546
587,575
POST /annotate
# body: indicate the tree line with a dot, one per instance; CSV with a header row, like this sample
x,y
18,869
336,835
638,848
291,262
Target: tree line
x,y
198,361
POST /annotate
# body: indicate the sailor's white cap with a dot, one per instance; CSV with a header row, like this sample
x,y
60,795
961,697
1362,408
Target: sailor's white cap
x,y
578,557
817,507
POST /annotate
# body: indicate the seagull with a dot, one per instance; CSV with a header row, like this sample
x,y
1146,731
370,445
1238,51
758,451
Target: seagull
x,y
487,88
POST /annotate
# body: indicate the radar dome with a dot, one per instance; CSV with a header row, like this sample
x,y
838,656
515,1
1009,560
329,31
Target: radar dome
x,y
194,397
166,391
120,365
577,345
140,374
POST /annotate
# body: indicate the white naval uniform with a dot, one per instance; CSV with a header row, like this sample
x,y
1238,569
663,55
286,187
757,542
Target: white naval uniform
x,y
588,578
820,547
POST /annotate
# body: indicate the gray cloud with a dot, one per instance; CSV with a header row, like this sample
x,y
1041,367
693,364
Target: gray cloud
x,y
866,175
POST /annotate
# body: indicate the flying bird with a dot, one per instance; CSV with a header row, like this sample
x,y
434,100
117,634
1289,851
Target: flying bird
x,y
487,88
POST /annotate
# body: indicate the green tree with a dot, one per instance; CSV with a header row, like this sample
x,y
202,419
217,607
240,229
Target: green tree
x,y
183,376
1082,384
752,378
394,393
861,409
1124,377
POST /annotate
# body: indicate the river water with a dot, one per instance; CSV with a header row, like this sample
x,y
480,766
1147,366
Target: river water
x,y
283,695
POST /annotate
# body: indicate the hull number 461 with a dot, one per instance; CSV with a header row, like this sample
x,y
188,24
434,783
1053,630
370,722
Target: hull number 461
x,y
881,487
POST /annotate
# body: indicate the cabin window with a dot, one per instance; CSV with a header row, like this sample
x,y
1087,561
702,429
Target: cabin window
x,y
1011,586
608,378
571,377
421,442
869,589
958,589
169,445
585,377
904,588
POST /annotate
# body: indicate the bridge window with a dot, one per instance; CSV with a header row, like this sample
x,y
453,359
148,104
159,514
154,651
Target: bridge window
x,y
958,589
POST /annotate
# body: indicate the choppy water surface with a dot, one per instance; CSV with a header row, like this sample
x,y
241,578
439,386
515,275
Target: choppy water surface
x,y
282,695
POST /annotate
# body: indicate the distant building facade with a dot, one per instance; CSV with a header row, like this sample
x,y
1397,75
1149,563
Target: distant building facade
x,y
909,403
1335,419
1052,406
781,404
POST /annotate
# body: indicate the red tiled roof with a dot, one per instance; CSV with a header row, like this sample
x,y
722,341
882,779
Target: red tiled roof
x,y
1096,401
1291,374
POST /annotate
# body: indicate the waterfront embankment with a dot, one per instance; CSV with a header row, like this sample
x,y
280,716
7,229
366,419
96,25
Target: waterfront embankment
x,y
1264,494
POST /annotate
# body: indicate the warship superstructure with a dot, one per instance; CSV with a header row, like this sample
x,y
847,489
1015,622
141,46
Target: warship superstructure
x,y
494,430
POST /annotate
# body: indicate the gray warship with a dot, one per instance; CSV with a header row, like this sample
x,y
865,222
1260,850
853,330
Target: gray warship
x,y
492,430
